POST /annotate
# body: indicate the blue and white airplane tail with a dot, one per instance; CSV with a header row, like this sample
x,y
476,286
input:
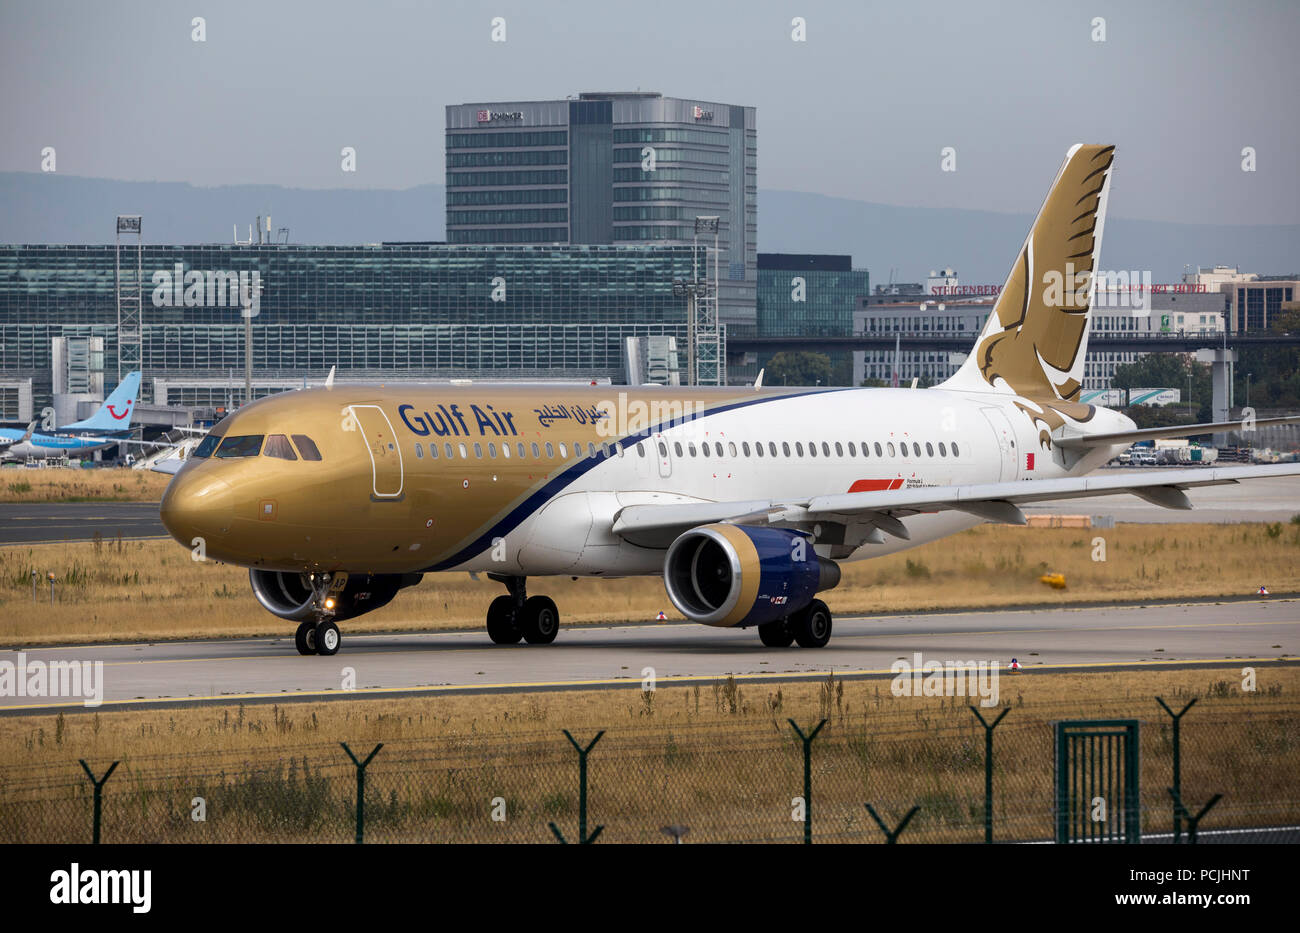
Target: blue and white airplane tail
x,y
115,414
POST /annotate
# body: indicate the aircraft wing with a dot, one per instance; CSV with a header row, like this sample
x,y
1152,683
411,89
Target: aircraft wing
x,y
27,436
996,502
1084,441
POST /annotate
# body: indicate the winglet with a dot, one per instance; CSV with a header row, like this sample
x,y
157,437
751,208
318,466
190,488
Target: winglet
x,y
758,383
329,380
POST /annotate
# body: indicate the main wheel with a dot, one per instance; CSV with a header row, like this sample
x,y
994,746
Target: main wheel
x,y
812,626
501,625
540,620
775,634
305,638
327,638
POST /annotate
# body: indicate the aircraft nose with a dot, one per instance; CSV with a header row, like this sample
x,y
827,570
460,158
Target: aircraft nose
x,y
197,507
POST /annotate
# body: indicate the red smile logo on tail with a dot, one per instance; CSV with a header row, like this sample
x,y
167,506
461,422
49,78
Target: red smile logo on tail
x,y
112,411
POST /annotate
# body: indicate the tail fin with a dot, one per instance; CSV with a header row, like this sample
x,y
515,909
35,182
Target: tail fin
x,y
1037,336
115,413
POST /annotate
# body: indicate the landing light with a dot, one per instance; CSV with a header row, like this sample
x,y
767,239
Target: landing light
x,y
329,603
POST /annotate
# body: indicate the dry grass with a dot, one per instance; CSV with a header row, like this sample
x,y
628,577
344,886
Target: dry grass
x,y
720,759
77,485
113,590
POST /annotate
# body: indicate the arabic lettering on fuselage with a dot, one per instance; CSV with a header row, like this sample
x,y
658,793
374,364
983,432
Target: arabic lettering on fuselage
x,y
547,415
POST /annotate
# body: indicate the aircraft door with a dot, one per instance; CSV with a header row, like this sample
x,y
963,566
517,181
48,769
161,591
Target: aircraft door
x,y
1006,443
385,453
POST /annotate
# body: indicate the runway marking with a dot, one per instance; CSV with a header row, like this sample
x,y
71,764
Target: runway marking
x,y
373,654
602,682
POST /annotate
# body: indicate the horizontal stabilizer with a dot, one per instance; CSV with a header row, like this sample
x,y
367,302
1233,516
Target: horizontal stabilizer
x,y
1085,441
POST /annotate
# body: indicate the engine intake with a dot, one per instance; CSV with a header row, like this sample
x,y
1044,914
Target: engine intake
x,y
288,595
740,575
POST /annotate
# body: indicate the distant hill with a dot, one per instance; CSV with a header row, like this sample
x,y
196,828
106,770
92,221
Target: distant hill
x,y
37,208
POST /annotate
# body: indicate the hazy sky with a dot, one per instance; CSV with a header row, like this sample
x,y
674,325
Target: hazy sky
x,y
860,110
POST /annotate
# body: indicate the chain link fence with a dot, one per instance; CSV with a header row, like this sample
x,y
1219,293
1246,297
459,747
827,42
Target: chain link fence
x,y
740,780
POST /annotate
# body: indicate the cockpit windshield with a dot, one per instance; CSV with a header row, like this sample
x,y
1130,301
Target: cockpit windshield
x,y
241,445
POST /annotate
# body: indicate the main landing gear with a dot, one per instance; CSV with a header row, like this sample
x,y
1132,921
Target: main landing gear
x,y
810,627
320,635
517,615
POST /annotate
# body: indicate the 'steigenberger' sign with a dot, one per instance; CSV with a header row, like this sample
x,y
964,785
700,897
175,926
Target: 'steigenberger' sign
x,y
207,289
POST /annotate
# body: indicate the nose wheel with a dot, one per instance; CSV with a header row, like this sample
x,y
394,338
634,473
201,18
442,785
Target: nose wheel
x,y
515,616
320,635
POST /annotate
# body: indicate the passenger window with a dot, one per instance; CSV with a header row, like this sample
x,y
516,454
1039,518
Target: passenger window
x,y
492,450
278,446
523,451
704,449
505,450
878,451
826,449
433,451
954,448
550,449
478,450
245,445
591,449
785,448
758,450
691,448
916,449
853,450
537,451
798,448
464,452
306,447
929,449
744,446
663,449
943,449
618,448
449,450
564,451
771,448
812,448
419,451
640,449
731,448
717,448
677,448
889,446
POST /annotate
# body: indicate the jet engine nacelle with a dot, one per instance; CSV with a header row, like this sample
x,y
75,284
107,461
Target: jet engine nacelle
x,y
739,575
288,595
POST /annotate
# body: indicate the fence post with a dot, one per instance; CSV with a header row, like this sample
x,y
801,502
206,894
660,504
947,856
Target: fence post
x,y
892,837
1192,821
583,838
99,795
1178,760
361,787
988,769
807,776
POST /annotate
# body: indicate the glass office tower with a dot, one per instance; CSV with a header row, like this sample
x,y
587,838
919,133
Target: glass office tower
x,y
606,168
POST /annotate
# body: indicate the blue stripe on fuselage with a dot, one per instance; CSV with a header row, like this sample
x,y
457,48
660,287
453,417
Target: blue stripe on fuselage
x,y
529,506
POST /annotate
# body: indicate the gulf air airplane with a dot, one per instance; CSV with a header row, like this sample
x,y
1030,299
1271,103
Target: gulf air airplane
x,y
745,500
107,426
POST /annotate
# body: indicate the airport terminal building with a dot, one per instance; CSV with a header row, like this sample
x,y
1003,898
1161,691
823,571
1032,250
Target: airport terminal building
x,y
393,310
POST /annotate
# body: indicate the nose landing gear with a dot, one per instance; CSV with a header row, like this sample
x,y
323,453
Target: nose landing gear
x,y
516,615
320,635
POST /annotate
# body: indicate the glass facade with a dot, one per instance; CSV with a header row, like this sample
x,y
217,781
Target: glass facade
x,y
676,159
417,310
809,295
